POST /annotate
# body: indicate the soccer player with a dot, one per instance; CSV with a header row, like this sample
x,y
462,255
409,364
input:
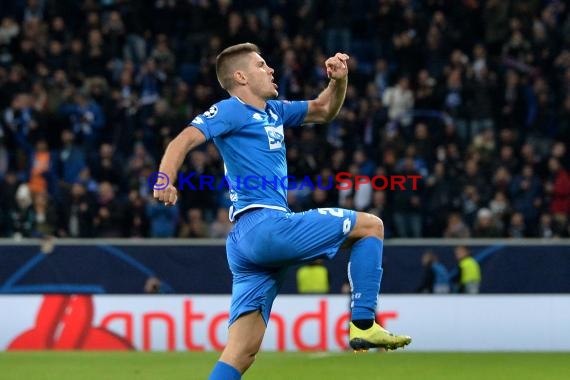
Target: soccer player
x,y
267,237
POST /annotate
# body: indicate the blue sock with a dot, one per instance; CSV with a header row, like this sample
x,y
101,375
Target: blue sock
x,y
365,274
224,371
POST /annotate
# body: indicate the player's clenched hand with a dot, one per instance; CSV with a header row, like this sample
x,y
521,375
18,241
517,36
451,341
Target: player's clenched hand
x,y
337,67
168,195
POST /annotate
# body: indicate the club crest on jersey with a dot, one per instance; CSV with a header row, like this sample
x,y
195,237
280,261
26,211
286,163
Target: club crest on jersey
x,y
275,136
211,112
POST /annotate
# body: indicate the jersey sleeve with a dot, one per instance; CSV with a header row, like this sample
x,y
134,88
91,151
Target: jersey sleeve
x,y
216,121
292,112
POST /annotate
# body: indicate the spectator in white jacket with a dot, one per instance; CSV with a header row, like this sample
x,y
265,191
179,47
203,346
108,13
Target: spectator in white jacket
x,y
400,100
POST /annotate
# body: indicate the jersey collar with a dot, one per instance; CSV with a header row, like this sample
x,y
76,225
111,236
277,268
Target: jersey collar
x,y
249,105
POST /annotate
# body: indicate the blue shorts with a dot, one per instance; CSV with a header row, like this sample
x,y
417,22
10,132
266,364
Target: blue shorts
x,y
265,242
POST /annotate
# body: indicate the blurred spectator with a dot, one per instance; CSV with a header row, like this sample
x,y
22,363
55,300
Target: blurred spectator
x,y
4,156
486,226
381,77
526,192
109,213
198,196
546,229
106,166
440,200
507,160
290,84
137,219
517,228
194,226
41,171
560,153
559,188
162,55
381,208
471,200
435,276
502,179
426,92
423,143
455,101
361,192
337,16
313,278
21,215
456,228
484,146
150,80
71,159
399,99
496,16
86,118
44,216
114,32
8,188
153,285
468,277
9,30
20,119
407,204
319,199
500,209
221,227
163,219
77,219
138,161
47,245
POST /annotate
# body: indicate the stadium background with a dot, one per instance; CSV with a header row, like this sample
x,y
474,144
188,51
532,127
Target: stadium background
x,y
474,95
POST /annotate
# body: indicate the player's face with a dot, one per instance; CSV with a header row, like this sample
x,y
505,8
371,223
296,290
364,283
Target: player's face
x,y
260,77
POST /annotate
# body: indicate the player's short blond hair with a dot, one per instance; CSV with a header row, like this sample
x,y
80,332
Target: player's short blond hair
x,y
227,62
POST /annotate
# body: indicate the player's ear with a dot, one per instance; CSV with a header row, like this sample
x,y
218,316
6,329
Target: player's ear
x,y
240,77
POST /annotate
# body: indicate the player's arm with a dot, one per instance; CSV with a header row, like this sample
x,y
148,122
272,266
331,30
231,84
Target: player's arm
x,y
174,155
327,105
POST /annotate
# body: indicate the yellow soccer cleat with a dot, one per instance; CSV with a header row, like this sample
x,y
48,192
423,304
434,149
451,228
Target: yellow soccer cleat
x,y
376,337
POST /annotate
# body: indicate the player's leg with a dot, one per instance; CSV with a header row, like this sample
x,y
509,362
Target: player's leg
x,y
365,276
244,340
254,289
365,267
300,237
285,239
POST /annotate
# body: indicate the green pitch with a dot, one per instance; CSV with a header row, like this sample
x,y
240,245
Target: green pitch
x,y
286,366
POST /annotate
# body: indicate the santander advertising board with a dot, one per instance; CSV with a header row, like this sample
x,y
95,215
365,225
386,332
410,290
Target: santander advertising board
x,y
298,323
172,323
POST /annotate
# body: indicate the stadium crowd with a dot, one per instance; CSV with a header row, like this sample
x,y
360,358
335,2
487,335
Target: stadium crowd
x,y
472,95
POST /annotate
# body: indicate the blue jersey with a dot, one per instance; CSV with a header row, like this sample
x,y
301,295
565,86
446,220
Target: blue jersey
x,y
440,273
251,142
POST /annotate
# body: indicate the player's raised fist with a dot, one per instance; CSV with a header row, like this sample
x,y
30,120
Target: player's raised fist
x,y
168,195
337,67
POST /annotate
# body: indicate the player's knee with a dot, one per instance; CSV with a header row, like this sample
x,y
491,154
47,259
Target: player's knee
x,y
379,228
368,225
375,227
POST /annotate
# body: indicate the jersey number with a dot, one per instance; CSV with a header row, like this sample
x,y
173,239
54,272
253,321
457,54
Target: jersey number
x,y
333,211
338,213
